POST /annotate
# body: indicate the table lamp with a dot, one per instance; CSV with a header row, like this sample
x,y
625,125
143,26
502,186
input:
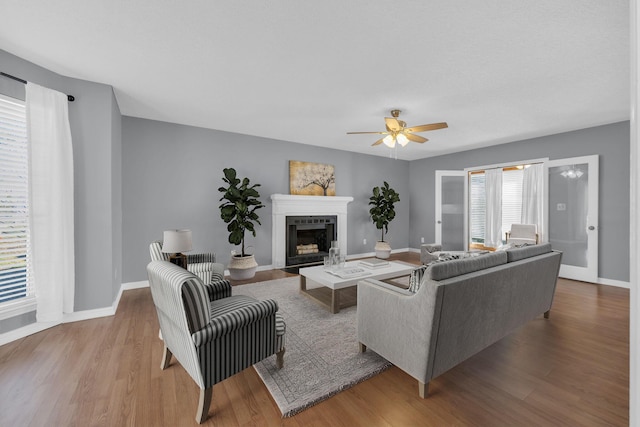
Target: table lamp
x,y
175,242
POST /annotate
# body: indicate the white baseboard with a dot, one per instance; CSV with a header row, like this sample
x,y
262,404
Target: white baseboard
x,y
611,282
134,285
372,254
25,331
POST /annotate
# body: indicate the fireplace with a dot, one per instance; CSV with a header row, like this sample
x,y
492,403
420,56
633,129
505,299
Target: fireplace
x,y
287,205
309,238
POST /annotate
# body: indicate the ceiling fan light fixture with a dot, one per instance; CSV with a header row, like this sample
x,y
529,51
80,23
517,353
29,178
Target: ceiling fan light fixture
x,y
389,141
402,139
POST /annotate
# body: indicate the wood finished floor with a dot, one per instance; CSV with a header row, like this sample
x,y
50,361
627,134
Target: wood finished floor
x,y
569,370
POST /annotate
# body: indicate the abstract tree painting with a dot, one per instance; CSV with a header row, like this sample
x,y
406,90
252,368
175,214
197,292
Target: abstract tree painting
x,y
311,179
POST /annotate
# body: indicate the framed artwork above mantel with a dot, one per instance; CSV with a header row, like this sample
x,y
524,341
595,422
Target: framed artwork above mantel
x,y
311,179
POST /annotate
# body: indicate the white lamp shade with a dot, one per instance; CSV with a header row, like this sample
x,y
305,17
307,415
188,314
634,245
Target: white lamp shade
x,y
176,241
402,139
389,141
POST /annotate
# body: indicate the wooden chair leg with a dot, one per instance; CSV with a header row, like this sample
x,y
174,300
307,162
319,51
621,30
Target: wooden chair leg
x,y
546,314
362,347
203,404
423,389
280,358
166,358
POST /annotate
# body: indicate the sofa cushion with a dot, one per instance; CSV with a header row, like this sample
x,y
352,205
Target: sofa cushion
x,y
458,267
196,303
528,251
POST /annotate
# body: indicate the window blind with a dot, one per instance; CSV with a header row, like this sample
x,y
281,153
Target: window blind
x,y
15,283
511,198
477,206
511,202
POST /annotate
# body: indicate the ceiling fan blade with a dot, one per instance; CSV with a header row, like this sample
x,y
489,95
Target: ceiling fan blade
x,y
354,133
378,142
424,128
392,124
415,138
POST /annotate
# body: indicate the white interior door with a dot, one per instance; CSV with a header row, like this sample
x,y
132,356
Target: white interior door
x,y
571,223
451,210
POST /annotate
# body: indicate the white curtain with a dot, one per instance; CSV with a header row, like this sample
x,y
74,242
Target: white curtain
x,y
532,193
493,216
51,202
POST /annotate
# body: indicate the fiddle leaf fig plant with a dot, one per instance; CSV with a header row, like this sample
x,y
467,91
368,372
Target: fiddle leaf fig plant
x,y
383,211
241,201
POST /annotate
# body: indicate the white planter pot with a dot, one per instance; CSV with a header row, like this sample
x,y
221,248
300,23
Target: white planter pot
x,y
242,267
383,250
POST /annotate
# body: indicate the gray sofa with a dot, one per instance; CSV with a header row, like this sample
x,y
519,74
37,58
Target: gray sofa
x,y
461,307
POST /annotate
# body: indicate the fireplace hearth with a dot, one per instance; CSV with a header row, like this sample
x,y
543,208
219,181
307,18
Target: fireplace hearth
x,y
309,238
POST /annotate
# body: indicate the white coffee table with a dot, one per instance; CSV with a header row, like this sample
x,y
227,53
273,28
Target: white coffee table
x,y
337,292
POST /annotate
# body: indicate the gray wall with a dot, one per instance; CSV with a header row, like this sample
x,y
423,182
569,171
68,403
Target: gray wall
x,y
95,127
171,176
611,142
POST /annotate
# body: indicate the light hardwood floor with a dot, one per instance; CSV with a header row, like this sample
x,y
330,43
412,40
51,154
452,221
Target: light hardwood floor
x,y
571,369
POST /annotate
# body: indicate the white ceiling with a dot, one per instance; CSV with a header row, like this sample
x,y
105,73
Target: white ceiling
x,y
308,72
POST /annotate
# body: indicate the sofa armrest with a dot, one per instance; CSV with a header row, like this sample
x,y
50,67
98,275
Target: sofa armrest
x,y
208,272
391,288
397,324
204,257
218,289
232,321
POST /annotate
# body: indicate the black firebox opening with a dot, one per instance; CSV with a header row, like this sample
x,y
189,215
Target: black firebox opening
x,y
309,238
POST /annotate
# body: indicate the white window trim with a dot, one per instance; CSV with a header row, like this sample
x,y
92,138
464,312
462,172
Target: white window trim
x,y
22,306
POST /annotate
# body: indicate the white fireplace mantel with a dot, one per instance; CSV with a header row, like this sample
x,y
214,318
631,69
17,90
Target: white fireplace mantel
x,y
284,205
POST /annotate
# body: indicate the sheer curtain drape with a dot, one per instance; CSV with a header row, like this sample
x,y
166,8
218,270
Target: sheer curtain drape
x,y
51,200
532,193
493,216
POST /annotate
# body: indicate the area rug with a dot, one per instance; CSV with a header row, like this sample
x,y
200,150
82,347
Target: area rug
x,y
321,358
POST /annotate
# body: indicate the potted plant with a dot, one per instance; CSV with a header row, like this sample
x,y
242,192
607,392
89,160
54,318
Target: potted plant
x,y
382,213
239,211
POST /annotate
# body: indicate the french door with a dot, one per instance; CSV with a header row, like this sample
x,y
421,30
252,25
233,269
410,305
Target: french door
x,y
571,215
451,210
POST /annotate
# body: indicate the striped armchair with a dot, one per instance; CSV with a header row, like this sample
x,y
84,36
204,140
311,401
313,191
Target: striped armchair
x,y
212,340
202,265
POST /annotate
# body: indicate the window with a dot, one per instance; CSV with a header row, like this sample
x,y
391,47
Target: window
x,y
14,203
511,201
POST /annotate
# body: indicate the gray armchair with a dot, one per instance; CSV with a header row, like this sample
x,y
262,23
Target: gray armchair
x,y
212,340
202,265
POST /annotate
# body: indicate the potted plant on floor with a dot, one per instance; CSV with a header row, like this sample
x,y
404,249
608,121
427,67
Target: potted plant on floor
x,y
382,213
240,203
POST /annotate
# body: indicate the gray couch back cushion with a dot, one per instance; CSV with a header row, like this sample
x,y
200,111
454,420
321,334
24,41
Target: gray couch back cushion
x,y
458,267
516,254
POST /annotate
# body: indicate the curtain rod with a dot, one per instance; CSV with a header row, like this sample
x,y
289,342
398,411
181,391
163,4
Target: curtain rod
x,y
71,98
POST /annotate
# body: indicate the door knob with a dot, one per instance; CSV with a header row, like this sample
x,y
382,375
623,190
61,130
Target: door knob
x,y
591,227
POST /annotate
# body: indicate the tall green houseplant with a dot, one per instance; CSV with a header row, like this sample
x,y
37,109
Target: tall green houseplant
x,y
383,212
239,207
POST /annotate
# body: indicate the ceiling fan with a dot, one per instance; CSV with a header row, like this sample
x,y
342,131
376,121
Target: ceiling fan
x,y
397,131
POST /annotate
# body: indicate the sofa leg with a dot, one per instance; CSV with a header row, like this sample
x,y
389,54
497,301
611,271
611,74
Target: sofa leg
x,y
280,358
546,314
166,358
362,347
203,404
423,389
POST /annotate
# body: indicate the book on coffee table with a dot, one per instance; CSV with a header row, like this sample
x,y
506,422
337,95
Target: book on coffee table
x,y
349,272
374,263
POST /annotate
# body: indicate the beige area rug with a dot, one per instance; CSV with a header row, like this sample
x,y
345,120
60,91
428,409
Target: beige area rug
x,y
322,357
